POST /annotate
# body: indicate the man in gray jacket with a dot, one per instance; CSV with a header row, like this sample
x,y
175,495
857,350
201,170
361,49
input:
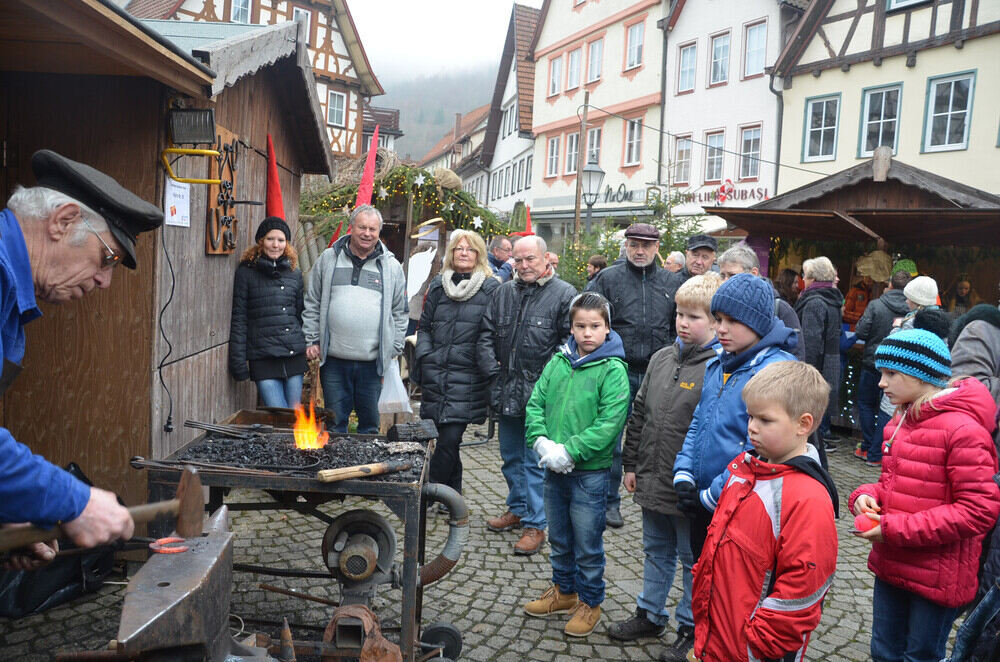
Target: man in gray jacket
x,y
355,319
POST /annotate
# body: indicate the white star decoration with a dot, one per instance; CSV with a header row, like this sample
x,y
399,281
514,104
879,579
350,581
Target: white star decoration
x,y
419,181
446,207
382,193
478,222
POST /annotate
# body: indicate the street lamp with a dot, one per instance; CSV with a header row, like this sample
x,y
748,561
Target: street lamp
x,y
593,177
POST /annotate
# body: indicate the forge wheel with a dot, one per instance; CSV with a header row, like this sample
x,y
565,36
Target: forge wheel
x,y
445,636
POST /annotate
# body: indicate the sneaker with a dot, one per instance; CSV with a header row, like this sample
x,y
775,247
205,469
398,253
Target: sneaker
x,y
874,463
531,541
551,602
634,628
831,437
613,518
505,522
860,454
829,447
682,646
584,620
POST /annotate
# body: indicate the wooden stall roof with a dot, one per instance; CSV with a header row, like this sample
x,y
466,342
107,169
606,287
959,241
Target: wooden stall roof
x,y
952,227
93,37
814,224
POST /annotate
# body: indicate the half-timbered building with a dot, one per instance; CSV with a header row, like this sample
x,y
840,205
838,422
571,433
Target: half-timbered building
x,y
344,77
918,76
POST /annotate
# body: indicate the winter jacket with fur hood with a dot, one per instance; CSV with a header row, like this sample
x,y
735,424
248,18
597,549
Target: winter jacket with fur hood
x,y
937,496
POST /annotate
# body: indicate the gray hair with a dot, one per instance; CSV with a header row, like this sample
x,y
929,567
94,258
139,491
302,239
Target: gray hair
x,y
497,241
537,241
365,209
742,255
819,268
38,203
676,257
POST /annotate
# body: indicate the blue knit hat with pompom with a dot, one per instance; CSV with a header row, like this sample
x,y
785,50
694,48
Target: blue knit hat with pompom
x,y
917,353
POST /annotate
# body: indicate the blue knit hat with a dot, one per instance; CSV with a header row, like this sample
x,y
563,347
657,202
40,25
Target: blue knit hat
x,y
748,300
917,353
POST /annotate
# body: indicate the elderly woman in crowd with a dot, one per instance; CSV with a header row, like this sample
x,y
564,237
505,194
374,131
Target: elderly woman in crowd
x,y
819,310
454,390
266,343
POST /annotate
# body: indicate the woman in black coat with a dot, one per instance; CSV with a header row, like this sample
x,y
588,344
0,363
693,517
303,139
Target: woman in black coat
x,y
454,388
819,308
266,343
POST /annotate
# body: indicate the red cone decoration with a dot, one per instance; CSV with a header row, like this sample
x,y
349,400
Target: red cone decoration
x,y
527,232
274,205
367,185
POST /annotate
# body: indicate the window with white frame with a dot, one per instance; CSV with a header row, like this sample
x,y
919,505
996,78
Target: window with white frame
x,y
506,181
821,128
713,156
754,49
495,185
240,11
595,53
881,119
720,59
949,109
368,143
552,158
687,66
899,4
572,150
555,75
336,105
527,172
304,15
633,142
634,39
573,69
594,145
749,152
682,160
520,175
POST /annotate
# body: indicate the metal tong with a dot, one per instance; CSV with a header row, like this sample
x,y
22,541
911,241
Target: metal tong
x,y
234,431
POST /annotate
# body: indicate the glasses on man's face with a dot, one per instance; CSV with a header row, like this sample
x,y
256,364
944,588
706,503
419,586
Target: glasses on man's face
x,y
112,257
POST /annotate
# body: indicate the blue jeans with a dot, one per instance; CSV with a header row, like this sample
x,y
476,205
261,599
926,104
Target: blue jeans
x,y
351,386
664,539
908,628
869,396
615,475
281,392
575,505
523,475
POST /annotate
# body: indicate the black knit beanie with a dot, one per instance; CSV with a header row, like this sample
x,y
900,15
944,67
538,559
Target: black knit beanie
x,y
273,223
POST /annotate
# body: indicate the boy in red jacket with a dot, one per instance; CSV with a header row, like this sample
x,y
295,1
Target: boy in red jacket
x,y
771,549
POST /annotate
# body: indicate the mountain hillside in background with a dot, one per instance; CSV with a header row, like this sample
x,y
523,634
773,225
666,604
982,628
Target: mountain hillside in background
x,y
427,104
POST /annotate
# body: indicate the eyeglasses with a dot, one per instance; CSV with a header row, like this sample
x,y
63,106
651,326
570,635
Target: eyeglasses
x,y
464,249
112,257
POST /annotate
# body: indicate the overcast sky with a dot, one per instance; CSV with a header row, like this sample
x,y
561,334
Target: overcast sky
x,y
412,38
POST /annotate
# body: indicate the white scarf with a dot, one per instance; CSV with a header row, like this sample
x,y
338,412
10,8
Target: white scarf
x,y
466,289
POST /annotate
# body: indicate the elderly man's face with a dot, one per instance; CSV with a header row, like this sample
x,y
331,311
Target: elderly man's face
x,y
529,261
729,269
364,234
700,260
673,266
552,259
641,252
63,272
503,250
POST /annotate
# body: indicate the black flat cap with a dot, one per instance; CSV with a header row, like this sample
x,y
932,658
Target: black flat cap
x,y
702,241
126,213
643,231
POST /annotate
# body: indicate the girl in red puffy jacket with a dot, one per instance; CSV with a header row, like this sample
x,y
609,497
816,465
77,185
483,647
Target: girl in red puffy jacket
x,y
934,502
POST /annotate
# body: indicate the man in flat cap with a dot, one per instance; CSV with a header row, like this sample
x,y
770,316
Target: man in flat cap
x,y
641,314
698,259
59,240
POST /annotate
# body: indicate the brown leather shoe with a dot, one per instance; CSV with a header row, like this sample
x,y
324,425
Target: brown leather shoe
x,y
505,522
531,541
552,602
583,621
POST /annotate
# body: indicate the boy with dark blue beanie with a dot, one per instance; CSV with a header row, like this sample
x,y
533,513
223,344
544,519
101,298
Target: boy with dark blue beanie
x,y
751,337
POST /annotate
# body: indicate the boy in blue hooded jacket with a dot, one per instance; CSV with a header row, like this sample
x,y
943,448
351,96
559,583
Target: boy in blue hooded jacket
x,y
751,337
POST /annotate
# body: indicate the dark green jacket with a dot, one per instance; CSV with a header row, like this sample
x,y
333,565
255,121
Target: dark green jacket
x,y
581,403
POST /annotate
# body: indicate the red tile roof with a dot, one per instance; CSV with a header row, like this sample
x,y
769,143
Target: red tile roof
x,y
469,122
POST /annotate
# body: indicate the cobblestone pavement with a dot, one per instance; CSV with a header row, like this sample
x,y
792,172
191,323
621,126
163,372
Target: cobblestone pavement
x,y
483,596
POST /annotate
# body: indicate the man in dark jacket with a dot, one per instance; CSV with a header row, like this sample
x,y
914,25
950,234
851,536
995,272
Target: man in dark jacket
x,y
499,256
742,259
527,319
698,258
874,325
641,314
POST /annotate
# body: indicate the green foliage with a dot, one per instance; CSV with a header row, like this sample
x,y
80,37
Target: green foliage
x,y
573,258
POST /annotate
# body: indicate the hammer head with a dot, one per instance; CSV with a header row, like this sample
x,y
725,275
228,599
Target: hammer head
x,y
191,512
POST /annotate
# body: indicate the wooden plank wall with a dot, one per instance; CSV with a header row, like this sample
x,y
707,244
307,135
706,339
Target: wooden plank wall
x,y
84,393
197,320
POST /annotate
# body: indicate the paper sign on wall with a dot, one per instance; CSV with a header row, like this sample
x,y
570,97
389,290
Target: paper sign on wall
x,y
177,203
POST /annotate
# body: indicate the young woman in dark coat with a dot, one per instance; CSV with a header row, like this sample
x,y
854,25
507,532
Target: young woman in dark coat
x,y
266,343
454,389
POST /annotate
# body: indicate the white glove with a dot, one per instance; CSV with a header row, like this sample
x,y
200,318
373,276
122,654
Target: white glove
x,y
543,446
558,460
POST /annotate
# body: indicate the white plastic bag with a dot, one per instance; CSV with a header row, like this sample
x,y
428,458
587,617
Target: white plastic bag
x,y
393,399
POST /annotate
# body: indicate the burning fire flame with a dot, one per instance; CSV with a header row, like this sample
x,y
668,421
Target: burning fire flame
x,y
307,431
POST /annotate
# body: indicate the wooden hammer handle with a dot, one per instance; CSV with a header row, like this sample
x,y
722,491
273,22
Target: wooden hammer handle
x,y
22,536
360,471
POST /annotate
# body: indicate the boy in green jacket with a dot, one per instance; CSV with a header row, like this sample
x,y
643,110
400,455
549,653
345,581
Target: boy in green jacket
x,y
573,418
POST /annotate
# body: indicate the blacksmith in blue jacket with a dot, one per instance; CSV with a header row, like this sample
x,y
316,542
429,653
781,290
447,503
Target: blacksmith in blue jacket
x,y
58,241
